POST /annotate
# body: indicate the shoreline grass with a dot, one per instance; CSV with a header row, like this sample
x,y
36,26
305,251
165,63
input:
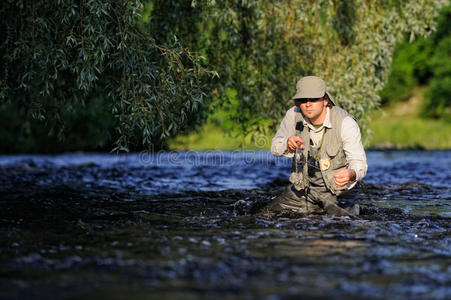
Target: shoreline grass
x,y
396,127
213,137
400,126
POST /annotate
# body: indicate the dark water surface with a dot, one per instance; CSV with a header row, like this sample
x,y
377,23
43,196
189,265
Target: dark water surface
x,y
187,224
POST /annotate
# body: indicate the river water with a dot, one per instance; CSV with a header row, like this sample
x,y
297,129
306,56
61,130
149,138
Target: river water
x,y
188,224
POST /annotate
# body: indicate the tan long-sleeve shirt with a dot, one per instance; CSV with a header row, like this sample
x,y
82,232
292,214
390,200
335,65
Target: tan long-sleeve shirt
x,y
350,135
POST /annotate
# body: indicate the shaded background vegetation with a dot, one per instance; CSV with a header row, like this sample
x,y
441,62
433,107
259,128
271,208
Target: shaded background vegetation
x,y
64,58
128,74
427,62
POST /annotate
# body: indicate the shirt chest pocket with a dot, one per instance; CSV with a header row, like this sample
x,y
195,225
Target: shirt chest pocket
x,y
332,145
334,151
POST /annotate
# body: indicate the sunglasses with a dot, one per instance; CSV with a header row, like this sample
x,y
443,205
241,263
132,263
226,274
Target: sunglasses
x,y
305,100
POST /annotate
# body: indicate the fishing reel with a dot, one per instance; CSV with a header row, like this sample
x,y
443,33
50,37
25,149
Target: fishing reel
x,y
299,161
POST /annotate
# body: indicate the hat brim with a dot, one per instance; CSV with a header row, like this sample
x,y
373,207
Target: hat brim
x,y
300,96
330,98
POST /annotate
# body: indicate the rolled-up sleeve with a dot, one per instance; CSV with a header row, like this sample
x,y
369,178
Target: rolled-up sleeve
x,y
353,148
286,130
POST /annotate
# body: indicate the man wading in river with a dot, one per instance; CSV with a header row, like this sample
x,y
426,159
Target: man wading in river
x,y
328,156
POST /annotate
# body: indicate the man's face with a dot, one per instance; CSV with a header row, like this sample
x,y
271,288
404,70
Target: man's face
x,y
314,109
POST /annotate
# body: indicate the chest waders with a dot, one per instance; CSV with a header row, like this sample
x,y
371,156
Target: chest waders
x,y
316,188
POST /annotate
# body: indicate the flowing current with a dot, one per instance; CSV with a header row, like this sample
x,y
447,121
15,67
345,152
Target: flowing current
x,y
188,224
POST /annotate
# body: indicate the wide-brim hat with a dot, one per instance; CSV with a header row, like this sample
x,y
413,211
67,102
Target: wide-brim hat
x,y
311,87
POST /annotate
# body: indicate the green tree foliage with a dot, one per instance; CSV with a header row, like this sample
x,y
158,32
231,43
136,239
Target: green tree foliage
x,y
261,48
437,98
410,67
61,54
426,61
58,55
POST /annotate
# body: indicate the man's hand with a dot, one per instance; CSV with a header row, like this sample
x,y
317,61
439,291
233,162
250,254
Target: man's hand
x,y
343,177
294,143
